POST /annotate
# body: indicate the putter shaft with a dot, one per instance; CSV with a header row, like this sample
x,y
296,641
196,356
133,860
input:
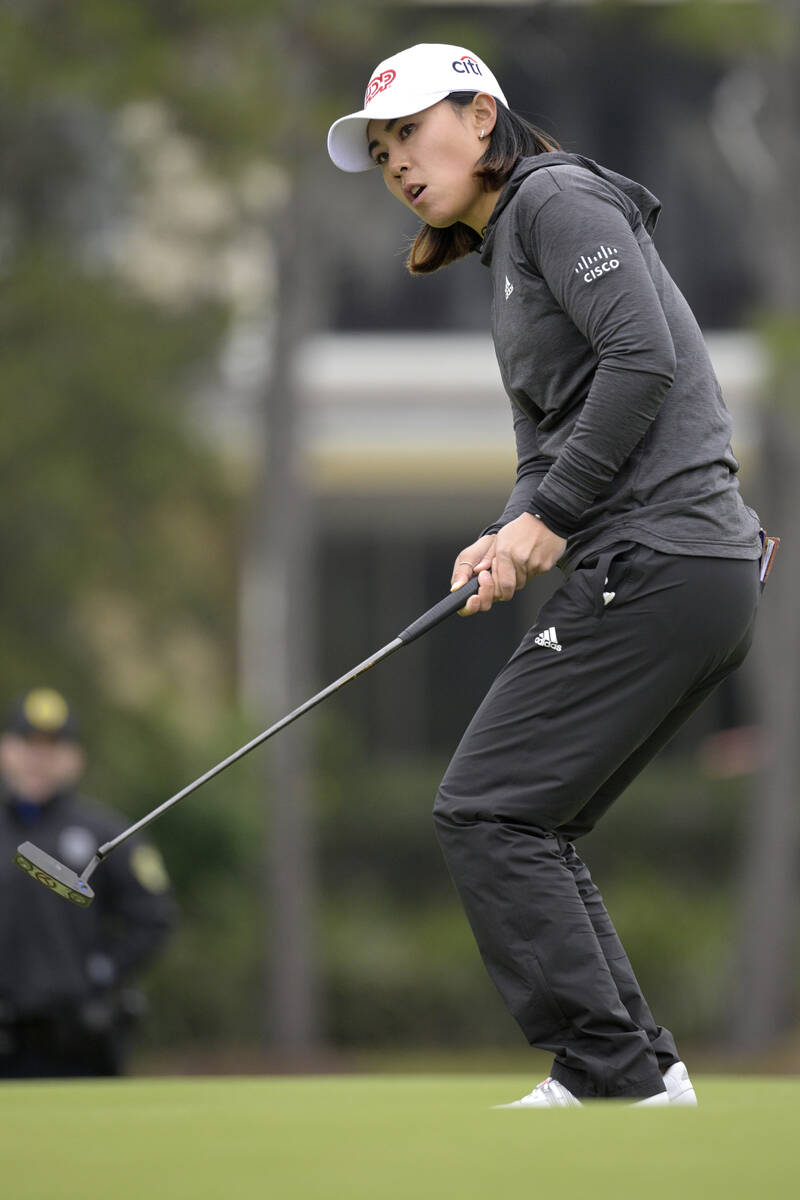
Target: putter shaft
x,y
60,878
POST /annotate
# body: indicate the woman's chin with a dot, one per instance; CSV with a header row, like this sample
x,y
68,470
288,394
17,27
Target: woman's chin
x,y
438,222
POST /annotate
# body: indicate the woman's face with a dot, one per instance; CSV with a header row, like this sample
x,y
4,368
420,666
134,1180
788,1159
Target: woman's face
x,y
428,162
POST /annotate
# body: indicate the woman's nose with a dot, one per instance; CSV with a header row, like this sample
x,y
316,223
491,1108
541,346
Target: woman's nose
x,y
397,162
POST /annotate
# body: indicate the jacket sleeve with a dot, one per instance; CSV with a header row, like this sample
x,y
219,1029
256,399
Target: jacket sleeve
x,y
582,243
532,467
137,904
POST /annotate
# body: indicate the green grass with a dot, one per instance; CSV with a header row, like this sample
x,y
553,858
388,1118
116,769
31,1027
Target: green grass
x,y
386,1137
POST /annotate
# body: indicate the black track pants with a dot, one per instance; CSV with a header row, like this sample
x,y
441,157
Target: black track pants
x,y
596,688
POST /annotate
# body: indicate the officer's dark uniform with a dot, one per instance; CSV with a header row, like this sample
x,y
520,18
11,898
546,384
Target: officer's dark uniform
x,y
67,999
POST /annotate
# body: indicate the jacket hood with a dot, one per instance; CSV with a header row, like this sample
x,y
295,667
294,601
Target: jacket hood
x,y
648,204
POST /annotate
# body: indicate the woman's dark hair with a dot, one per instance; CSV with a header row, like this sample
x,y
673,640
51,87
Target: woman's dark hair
x,y
511,139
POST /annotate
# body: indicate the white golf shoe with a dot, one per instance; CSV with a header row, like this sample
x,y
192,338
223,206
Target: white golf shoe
x,y
552,1094
547,1094
679,1085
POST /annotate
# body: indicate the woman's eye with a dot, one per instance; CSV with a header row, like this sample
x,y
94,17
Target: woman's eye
x,y
381,158
405,130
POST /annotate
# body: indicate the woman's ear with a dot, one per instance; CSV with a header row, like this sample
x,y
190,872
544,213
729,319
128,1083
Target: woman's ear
x,y
484,113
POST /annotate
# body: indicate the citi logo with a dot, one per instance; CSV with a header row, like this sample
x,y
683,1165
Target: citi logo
x,y
595,265
466,66
379,83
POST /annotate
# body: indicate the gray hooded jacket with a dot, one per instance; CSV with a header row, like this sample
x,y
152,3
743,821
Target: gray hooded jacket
x,y
622,432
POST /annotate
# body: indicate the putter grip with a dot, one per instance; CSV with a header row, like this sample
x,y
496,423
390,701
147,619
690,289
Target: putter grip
x,y
451,603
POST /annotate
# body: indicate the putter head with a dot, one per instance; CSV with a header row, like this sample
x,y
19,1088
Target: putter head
x,y
53,874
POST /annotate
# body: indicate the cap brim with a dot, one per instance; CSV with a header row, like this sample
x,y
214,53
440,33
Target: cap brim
x,y
347,137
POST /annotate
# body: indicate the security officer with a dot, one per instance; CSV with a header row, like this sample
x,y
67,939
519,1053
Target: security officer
x,y
67,998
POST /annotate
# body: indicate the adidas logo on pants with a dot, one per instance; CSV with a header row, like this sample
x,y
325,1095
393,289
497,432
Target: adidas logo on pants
x,y
548,638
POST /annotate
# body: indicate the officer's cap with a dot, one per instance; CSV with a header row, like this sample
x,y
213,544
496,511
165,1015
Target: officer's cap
x,y
42,711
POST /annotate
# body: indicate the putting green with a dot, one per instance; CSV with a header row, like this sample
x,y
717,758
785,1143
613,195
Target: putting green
x,y
385,1137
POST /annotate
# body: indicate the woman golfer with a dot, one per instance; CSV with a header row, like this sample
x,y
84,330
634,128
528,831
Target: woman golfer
x,y
627,482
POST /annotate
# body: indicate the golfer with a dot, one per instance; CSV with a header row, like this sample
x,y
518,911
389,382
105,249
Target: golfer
x,y
626,482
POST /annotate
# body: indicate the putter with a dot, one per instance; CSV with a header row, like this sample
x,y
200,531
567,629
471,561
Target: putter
x,y
65,882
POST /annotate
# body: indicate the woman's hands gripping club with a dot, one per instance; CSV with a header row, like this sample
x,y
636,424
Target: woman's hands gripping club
x,y
505,561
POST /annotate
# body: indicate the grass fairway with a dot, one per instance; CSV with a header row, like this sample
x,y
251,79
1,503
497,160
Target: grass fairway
x,y
388,1138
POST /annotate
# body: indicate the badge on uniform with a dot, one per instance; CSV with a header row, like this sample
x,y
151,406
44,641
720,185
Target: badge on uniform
x,y
147,867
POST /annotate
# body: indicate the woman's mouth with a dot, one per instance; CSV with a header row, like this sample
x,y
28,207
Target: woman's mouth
x,y
414,192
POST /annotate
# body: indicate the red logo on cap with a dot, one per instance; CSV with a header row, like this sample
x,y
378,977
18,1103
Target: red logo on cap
x,y
379,84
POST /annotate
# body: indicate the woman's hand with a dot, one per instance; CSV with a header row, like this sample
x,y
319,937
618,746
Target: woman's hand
x,y
472,561
504,562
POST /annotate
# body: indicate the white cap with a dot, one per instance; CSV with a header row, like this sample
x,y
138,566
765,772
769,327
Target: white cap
x,y
407,83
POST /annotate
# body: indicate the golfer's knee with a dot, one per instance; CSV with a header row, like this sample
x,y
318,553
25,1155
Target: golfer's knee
x,y
457,831
455,804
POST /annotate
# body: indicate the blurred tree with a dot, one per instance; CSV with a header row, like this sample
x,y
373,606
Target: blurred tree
x,y
128,159
134,185
101,485
278,571
306,40
133,137
765,991
755,120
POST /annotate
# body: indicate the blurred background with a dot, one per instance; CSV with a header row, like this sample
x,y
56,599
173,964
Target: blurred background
x,y
240,447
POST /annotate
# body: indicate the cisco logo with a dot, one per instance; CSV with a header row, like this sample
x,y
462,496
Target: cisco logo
x,y
593,266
